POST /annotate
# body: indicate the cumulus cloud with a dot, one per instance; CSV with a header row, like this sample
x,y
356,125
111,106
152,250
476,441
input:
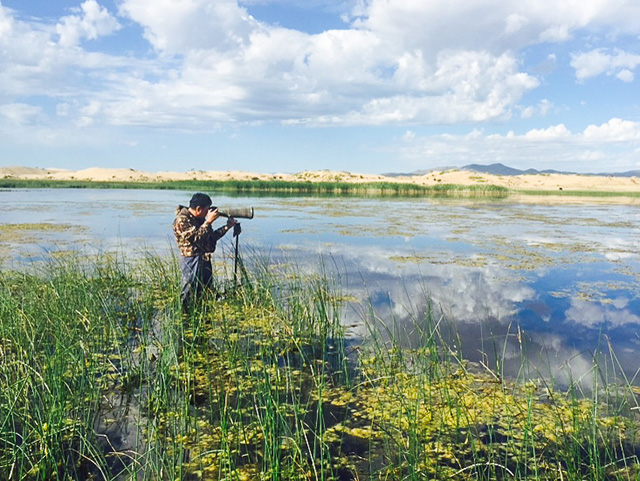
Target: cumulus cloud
x,y
409,62
92,22
400,62
6,22
249,70
179,27
540,110
602,61
337,77
43,59
553,147
625,75
554,132
615,130
489,24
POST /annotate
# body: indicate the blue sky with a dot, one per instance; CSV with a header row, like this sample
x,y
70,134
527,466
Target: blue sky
x,y
368,86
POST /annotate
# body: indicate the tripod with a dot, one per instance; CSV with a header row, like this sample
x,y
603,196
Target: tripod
x,y
237,262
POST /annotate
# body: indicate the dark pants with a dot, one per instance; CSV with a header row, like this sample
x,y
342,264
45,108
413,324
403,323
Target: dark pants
x,y
196,277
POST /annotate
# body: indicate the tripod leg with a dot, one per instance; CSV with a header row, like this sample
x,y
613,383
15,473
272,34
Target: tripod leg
x,y
238,260
235,262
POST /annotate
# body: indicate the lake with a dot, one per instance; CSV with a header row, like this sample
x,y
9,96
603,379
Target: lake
x,y
557,281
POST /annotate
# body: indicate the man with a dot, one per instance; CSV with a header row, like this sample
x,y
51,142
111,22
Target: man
x,y
197,241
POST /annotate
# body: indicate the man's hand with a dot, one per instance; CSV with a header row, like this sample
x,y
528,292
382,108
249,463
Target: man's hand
x,y
211,216
231,222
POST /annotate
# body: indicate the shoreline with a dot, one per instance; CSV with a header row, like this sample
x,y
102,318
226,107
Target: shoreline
x,y
526,184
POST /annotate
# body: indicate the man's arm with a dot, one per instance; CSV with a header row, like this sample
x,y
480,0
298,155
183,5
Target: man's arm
x,y
221,231
189,233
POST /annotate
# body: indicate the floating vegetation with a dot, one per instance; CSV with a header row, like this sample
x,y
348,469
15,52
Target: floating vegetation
x,y
21,239
412,258
22,234
102,377
8,229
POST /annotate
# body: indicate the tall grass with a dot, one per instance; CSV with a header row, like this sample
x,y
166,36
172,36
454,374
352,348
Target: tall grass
x,y
270,187
316,188
63,338
102,377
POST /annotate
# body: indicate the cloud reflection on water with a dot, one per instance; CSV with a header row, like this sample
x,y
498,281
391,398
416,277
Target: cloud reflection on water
x,y
485,307
566,275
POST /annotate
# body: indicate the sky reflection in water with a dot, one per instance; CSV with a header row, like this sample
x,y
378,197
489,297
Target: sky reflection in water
x,y
565,276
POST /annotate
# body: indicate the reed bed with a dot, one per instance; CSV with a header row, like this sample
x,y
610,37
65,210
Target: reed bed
x,y
269,187
102,377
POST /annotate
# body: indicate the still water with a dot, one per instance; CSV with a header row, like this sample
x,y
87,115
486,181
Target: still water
x,y
556,282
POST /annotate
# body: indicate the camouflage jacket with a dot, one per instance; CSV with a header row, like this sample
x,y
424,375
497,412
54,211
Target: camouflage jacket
x,y
192,236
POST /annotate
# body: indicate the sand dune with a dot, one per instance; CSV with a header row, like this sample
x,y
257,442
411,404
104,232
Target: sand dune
x,y
548,182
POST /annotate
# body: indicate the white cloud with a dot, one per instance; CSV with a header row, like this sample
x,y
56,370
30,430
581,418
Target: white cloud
x,y
179,27
542,109
601,61
388,68
489,24
625,75
35,59
6,24
515,22
615,130
409,62
556,33
409,135
460,86
590,64
94,21
20,113
554,147
552,133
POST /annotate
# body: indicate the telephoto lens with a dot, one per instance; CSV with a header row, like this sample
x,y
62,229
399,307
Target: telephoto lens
x,y
236,212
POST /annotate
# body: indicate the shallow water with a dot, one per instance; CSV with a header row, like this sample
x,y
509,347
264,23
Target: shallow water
x,y
554,282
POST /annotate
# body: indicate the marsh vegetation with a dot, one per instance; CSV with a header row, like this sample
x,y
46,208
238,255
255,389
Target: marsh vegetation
x,y
338,186
102,377
275,186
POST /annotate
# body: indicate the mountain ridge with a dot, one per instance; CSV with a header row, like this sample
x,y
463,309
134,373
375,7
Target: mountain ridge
x,y
501,169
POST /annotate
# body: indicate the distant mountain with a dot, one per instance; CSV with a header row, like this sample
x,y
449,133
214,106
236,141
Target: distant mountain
x,y
501,169
419,172
495,169
630,173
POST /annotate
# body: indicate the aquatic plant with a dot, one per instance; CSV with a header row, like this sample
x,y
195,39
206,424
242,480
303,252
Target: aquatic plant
x,y
102,377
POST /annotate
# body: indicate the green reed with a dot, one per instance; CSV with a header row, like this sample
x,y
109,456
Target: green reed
x,y
280,187
58,347
102,377
270,187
